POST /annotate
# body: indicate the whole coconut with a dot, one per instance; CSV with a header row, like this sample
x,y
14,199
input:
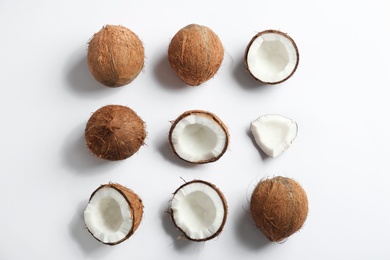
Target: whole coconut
x,y
115,56
279,207
195,54
114,132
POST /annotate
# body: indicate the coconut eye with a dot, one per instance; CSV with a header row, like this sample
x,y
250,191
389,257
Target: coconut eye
x,y
271,57
198,137
199,210
113,213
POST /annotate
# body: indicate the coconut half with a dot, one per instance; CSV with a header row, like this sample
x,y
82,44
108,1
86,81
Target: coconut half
x,y
274,134
271,57
198,136
113,213
199,210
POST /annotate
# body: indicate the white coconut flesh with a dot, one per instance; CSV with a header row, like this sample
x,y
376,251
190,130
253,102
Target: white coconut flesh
x,y
272,57
108,216
197,138
198,210
274,134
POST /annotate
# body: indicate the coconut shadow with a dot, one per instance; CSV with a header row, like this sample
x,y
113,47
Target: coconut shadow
x,y
86,242
166,152
244,78
264,157
248,234
165,75
180,243
77,156
81,80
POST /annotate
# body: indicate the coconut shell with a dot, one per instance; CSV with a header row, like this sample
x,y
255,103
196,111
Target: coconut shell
x,y
115,56
114,132
225,207
136,207
249,45
279,207
195,54
208,115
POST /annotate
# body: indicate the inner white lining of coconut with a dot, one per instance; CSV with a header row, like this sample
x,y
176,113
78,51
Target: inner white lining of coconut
x,y
198,210
108,216
274,133
271,57
198,138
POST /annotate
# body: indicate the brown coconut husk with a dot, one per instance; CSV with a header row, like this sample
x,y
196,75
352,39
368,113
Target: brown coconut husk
x,y
136,207
195,54
279,207
206,114
114,132
115,56
249,45
225,207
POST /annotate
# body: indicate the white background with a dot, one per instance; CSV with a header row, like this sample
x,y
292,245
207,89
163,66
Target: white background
x,y
338,96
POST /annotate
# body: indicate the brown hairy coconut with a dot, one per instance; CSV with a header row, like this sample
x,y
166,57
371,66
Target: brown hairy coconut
x,y
271,57
195,54
199,210
115,56
113,213
114,132
198,137
279,207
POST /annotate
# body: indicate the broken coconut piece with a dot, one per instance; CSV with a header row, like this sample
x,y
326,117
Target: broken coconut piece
x,y
114,132
279,207
271,57
274,134
198,137
195,54
199,210
113,213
